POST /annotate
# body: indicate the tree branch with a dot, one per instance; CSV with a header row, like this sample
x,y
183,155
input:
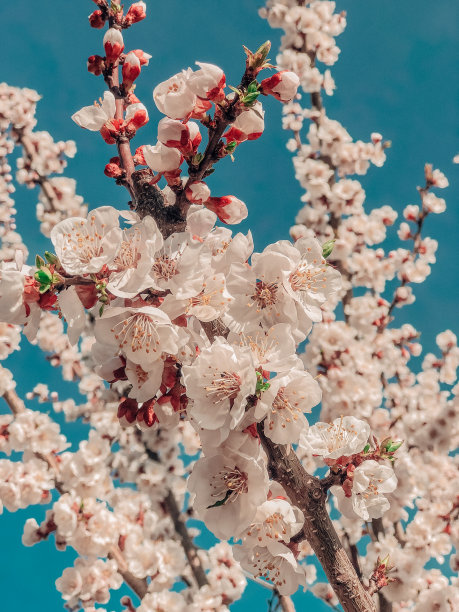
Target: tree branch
x,y
191,551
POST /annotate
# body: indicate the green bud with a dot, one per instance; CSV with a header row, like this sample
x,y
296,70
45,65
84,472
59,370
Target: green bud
x,y
395,446
262,53
327,248
43,276
39,261
231,146
101,310
196,159
390,446
51,258
115,7
253,87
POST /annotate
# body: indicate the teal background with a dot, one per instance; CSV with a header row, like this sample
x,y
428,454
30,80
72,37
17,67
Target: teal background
x,y
397,75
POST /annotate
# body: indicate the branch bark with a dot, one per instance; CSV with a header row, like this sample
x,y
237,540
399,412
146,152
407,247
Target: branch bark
x,y
285,603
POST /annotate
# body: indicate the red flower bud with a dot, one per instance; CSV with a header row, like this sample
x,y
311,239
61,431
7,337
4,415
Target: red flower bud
x,y
96,64
113,171
113,45
136,13
130,70
97,20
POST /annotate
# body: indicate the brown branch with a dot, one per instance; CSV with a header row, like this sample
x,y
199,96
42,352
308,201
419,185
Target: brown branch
x,y
191,551
285,602
15,403
306,492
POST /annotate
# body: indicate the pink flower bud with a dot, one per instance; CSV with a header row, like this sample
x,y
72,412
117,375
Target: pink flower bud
x,y
173,133
282,85
195,134
248,126
144,58
208,82
198,192
136,13
136,116
96,64
161,158
130,70
113,45
96,20
228,209
200,108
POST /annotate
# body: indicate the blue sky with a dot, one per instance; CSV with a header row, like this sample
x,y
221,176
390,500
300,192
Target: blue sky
x,y
396,75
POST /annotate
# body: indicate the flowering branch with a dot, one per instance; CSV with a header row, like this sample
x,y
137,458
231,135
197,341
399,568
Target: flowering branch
x,y
307,493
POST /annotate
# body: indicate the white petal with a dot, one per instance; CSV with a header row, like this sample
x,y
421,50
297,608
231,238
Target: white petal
x,y
90,117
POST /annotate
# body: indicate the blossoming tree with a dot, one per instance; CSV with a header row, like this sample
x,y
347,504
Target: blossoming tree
x,y
189,347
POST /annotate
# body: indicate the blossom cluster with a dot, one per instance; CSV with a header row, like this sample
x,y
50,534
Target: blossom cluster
x,y
364,362
187,345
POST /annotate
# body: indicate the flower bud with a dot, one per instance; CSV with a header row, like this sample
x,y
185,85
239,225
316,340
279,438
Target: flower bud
x,y
228,209
198,192
96,64
173,133
97,20
161,158
136,116
113,45
282,85
195,134
136,13
208,82
248,126
144,58
130,70
113,170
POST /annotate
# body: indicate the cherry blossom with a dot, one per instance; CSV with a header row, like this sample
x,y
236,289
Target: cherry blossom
x,y
84,246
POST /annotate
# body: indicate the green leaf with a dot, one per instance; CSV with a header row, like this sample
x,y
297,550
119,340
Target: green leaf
x,y
366,449
250,98
39,261
43,276
252,88
391,448
235,89
101,310
327,248
44,288
221,502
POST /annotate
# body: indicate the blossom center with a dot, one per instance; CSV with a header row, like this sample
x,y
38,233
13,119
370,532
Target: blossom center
x,y
225,387
139,331
265,294
229,483
308,277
